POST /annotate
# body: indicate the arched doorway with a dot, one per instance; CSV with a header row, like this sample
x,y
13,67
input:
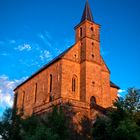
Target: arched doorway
x,y
92,102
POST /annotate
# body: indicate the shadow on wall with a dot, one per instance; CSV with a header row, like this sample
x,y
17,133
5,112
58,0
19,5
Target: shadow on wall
x,y
79,125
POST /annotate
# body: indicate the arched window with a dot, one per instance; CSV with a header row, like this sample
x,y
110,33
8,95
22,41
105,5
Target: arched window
x,y
15,99
81,33
35,92
92,101
50,87
23,95
74,83
50,83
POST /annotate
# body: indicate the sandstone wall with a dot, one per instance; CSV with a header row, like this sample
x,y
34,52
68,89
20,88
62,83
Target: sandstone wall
x,y
34,96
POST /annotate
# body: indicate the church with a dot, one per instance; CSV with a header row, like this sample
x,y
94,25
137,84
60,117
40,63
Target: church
x,y
78,76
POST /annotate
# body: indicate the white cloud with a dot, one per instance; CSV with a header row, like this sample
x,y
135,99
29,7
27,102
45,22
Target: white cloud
x,y
52,44
24,47
121,91
45,55
6,91
119,95
45,39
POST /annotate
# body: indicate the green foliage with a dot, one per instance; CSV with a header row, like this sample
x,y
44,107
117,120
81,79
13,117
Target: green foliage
x,y
10,125
41,133
58,123
126,130
100,129
53,127
137,118
132,100
121,122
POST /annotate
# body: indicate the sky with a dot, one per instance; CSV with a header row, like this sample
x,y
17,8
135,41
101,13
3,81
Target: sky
x,y
32,32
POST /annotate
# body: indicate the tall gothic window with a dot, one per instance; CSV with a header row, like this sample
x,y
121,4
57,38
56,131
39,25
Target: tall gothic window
x,y
35,92
50,83
74,83
51,87
23,95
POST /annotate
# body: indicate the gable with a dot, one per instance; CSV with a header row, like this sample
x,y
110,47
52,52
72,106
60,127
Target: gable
x,y
73,54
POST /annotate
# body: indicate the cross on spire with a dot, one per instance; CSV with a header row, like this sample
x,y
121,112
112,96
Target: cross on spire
x,y
87,14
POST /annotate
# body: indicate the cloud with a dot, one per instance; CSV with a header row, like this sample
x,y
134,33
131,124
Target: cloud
x,y
48,40
52,44
45,55
6,91
121,91
45,39
119,95
24,47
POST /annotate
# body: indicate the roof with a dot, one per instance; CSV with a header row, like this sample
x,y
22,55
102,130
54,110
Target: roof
x,y
114,85
87,14
45,66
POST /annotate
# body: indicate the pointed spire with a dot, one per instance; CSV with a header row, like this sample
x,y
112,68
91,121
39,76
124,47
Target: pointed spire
x,y
87,14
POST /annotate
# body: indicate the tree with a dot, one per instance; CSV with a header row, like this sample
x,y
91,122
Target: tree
x,y
100,131
122,121
10,125
58,123
52,127
132,100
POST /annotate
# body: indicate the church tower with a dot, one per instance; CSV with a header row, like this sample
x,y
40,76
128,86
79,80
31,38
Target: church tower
x,y
94,82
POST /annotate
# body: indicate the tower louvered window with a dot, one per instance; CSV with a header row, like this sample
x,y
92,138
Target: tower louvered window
x,y
81,33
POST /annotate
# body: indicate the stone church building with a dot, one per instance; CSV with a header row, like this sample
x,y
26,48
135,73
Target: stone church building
x,y
78,76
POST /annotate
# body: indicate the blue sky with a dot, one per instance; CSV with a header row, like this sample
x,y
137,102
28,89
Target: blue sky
x,y
32,32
